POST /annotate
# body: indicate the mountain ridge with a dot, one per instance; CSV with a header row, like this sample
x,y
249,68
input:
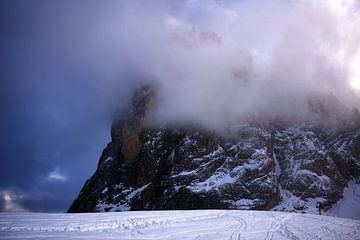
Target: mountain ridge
x,y
260,165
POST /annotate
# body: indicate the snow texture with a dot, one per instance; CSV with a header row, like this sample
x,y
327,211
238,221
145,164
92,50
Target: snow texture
x,y
349,206
125,206
196,224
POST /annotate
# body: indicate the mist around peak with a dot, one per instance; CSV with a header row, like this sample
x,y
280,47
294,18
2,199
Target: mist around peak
x,y
220,63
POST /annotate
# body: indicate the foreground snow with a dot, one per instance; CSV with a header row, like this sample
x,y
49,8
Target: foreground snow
x,y
349,205
199,224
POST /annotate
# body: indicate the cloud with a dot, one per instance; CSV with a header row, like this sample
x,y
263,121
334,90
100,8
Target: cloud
x,y
218,63
10,201
56,176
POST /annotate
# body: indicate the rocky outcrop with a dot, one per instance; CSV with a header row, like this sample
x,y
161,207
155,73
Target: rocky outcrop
x,y
252,166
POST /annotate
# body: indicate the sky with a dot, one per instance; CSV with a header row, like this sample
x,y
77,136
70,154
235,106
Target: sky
x,y
67,68
55,117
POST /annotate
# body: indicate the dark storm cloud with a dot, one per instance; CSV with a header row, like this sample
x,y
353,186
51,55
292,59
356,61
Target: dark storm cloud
x,y
57,98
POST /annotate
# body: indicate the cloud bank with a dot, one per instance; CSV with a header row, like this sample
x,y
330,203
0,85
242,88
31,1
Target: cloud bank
x,y
219,62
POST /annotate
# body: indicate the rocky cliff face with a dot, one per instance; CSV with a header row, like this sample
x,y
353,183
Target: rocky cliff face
x,y
253,166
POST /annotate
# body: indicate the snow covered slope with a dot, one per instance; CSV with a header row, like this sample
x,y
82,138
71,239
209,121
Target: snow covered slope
x,y
349,206
196,224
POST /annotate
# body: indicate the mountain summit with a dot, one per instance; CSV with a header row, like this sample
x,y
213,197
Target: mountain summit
x,y
264,165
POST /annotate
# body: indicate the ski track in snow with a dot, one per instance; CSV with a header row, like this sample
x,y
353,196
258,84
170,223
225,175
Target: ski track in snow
x,y
196,224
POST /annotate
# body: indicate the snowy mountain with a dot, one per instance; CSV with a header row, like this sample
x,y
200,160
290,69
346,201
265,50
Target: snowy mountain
x,y
259,165
196,224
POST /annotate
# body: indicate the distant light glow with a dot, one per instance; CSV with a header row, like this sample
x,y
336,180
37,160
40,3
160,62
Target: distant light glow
x,y
340,7
7,197
11,203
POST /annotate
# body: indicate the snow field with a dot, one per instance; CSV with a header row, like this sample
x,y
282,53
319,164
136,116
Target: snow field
x,y
196,224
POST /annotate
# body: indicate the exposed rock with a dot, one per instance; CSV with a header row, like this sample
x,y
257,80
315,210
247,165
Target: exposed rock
x,y
131,144
256,166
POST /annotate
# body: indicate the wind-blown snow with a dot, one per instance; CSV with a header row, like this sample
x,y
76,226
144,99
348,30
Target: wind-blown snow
x,y
196,224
